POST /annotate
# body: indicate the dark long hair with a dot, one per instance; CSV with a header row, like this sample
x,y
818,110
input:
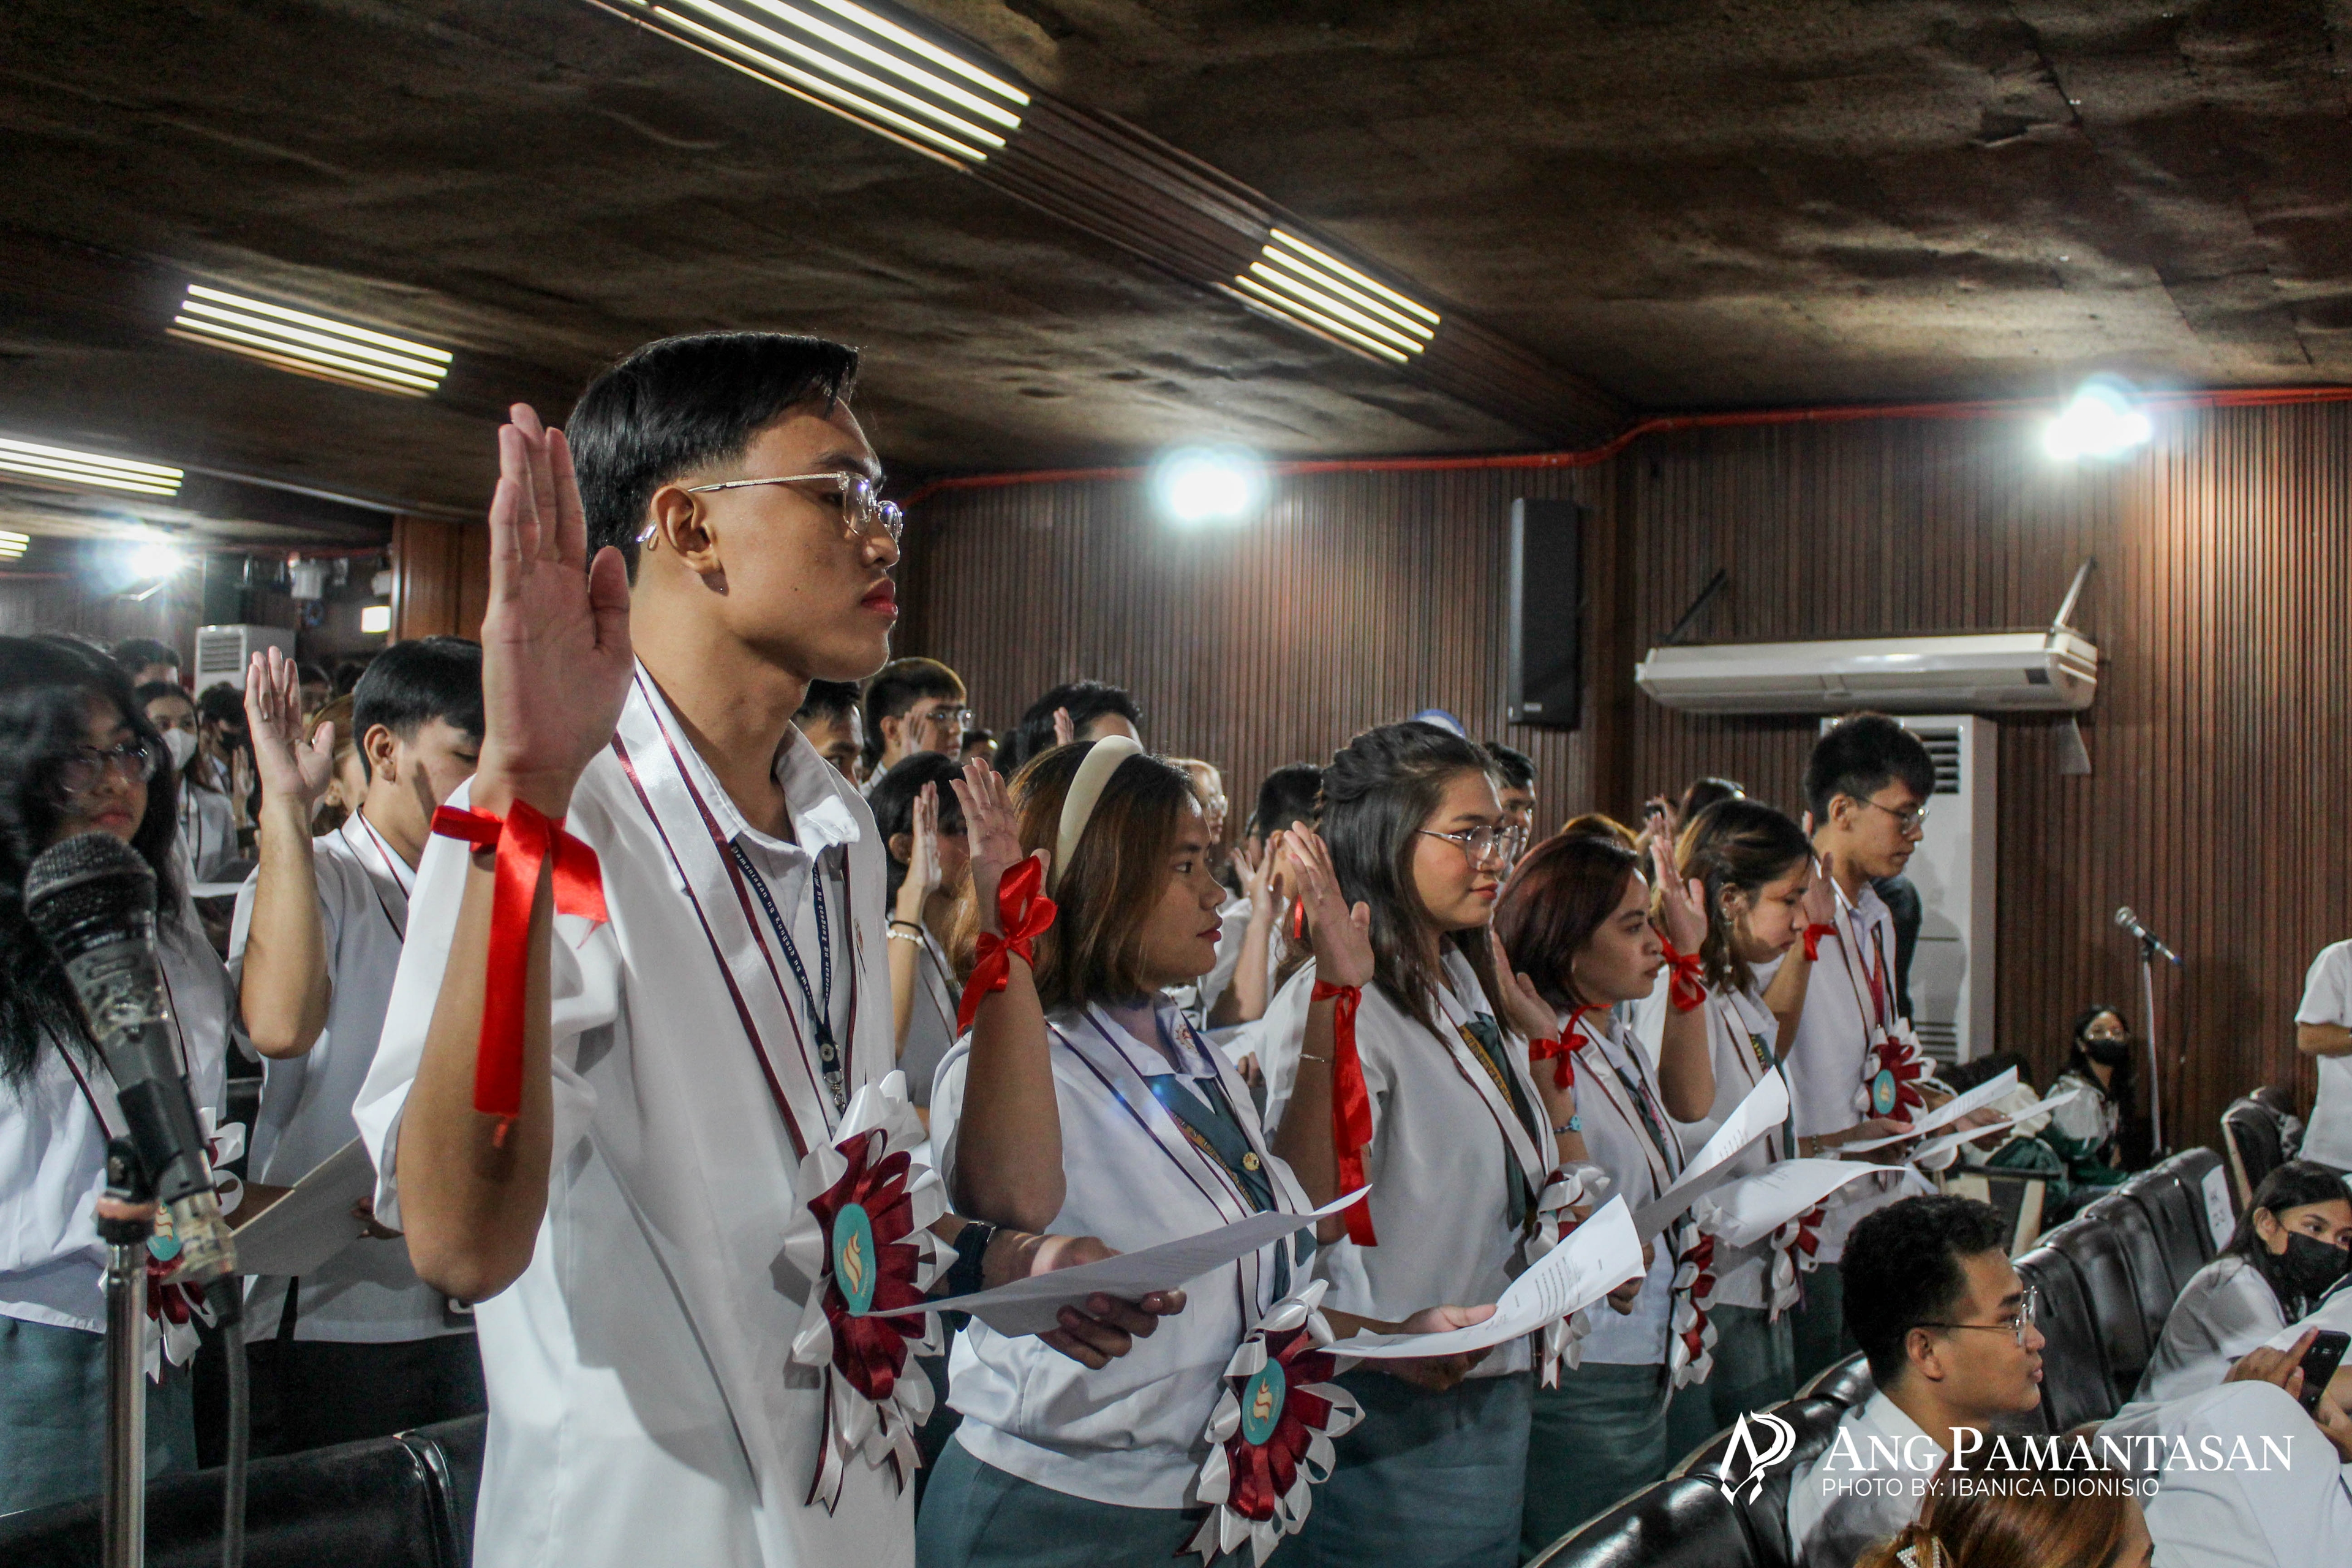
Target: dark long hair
x,y
1557,898
1376,792
2118,1089
1735,843
45,688
2291,1186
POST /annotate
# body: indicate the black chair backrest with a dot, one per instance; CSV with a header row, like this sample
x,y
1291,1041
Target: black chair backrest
x,y
2151,1268
1766,1516
2076,1385
374,1503
1846,1383
2096,1248
2193,1170
2256,1135
452,1450
1669,1524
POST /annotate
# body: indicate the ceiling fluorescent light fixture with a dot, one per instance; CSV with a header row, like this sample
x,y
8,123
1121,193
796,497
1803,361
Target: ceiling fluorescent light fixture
x,y
11,546
308,344
860,65
1311,288
63,465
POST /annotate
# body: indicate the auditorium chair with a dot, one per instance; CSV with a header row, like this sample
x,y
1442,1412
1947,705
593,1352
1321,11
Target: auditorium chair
x,y
392,1502
1668,1524
2198,1171
2182,1233
2076,1385
2254,1130
1764,1518
2113,1294
1848,1383
2151,1272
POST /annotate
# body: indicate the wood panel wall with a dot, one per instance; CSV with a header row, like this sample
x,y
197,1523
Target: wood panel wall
x,y
2221,743
440,577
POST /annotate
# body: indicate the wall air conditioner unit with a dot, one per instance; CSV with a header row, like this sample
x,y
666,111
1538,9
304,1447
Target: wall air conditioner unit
x,y
1983,672
1953,870
222,652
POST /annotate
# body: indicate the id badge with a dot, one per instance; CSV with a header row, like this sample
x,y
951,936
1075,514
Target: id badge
x,y
457,1314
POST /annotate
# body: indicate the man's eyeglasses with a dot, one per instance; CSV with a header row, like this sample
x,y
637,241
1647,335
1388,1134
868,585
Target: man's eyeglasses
x,y
83,766
954,721
2015,1326
1911,819
864,513
1484,845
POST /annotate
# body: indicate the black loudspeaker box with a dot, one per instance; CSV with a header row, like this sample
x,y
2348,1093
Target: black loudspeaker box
x,y
1547,614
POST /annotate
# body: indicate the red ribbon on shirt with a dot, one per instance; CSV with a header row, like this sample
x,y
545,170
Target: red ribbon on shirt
x,y
1813,935
1687,989
524,840
1351,1104
1026,914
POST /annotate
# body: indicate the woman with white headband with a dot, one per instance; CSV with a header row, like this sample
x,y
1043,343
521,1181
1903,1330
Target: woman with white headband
x,y
1083,1100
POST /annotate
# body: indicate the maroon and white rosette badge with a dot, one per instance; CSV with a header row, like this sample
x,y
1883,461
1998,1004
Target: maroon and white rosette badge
x,y
1270,1434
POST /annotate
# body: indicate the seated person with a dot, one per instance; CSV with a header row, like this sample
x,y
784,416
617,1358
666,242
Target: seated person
x,y
2288,1249
2049,1516
1948,1329
2086,1131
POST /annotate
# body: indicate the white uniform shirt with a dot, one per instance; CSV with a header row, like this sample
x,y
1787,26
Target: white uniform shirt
x,y
641,1408
1445,1148
1832,1520
53,1150
1740,1032
2226,1310
2327,999
207,829
366,1294
1614,1081
931,1025
1131,1434
2249,1513
1824,1061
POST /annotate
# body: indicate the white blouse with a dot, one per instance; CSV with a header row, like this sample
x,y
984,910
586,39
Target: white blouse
x,y
2226,1310
1741,1031
1615,1085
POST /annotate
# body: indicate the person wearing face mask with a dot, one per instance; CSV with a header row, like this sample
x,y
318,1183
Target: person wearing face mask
x,y
1084,1100
1576,920
1756,884
2086,1131
922,826
2289,1248
207,836
1417,1033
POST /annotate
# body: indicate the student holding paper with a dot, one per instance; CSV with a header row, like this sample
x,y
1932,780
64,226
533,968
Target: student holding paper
x,y
1576,921
1084,1100
1754,871
1412,1076
361,1348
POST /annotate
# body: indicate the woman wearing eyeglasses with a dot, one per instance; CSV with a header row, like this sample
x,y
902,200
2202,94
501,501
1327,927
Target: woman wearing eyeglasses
x,y
79,755
1419,1040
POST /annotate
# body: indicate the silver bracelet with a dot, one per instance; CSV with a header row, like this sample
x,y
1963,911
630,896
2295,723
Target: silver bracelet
x,y
1305,1057
915,937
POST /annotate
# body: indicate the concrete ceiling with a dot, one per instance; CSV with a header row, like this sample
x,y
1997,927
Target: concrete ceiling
x,y
1705,205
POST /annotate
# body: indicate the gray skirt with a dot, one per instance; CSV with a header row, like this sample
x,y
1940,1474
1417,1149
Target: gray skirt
x,y
974,1515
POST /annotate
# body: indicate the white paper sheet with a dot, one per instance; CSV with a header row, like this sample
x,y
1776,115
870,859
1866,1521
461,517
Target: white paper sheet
x,y
1591,1261
1765,1108
313,1222
1944,1115
1934,1146
1746,1212
1033,1306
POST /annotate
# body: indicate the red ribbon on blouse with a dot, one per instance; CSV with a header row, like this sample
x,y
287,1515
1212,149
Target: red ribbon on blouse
x,y
1687,989
1026,914
524,840
1813,935
1351,1104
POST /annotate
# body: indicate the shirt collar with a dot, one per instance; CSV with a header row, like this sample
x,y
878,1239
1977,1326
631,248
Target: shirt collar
x,y
375,851
815,793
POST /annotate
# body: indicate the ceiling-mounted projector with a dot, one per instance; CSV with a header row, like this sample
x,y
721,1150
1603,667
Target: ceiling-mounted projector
x,y
2054,669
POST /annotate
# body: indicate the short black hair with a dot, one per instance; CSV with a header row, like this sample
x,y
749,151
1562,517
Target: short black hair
x,y
827,700
1902,1271
150,690
1292,793
1087,700
135,654
412,683
682,403
312,675
223,705
1704,792
893,803
898,685
1514,767
1861,754
346,676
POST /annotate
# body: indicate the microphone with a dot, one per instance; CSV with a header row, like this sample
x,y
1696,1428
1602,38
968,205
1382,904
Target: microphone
x,y
92,899
2130,922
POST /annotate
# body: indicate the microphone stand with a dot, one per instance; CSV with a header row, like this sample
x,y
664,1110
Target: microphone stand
x,y
2155,1062
124,1506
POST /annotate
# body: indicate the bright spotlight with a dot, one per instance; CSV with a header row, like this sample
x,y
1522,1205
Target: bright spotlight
x,y
154,560
375,620
2102,421
1195,484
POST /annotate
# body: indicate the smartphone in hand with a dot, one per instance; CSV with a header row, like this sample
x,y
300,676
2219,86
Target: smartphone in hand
x,y
2319,1364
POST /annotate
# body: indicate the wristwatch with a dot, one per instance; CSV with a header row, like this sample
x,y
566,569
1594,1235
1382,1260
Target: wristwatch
x,y
971,1248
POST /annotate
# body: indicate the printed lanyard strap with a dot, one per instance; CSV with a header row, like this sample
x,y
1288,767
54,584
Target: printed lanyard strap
x,y
1878,976
820,1001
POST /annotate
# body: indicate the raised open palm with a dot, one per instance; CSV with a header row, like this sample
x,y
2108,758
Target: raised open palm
x,y
555,642
1341,937
993,830
273,714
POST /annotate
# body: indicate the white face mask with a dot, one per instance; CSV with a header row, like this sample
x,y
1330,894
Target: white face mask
x,y
182,745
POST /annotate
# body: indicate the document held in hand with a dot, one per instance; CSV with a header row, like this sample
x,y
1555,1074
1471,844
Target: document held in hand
x,y
1934,1146
1944,1115
1746,1212
1591,1261
313,1221
1766,1107
1033,1306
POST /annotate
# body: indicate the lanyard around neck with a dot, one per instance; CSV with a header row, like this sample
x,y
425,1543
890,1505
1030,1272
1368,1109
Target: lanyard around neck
x,y
819,1001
